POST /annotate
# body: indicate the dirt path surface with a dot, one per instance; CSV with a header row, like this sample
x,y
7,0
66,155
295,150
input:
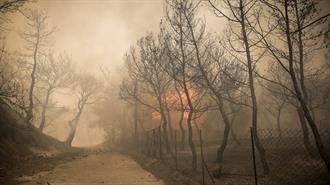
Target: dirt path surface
x,y
103,168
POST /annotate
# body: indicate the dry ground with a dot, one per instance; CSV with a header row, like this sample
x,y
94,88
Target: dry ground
x,y
104,168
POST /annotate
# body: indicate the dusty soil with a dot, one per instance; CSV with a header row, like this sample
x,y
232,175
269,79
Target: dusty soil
x,y
163,170
29,165
92,168
289,167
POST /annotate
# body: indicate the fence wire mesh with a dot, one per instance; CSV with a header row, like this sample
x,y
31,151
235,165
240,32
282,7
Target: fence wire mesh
x,y
293,158
289,161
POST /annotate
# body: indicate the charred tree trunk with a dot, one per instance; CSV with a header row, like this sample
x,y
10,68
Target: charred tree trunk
x,y
232,132
164,124
29,112
168,114
304,128
71,135
183,133
74,123
186,91
232,121
43,112
258,144
221,149
191,143
195,124
226,131
189,123
299,94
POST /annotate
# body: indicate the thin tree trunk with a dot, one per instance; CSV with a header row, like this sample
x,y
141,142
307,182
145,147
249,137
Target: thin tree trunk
x,y
258,144
187,94
195,124
168,114
190,140
43,118
221,149
29,113
301,55
190,130
164,125
233,134
183,133
225,136
43,112
304,128
74,124
71,135
299,95
232,121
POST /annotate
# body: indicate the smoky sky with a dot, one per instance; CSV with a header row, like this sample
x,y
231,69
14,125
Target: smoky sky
x,y
97,33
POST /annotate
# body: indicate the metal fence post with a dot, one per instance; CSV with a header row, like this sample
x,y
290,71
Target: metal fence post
x,y
254,158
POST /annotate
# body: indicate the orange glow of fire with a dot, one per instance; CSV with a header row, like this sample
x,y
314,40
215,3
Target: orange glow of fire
x,y
173,99
156,115
185,115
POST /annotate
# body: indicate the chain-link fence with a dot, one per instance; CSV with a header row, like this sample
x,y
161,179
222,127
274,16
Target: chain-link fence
x,y
289,161
293,158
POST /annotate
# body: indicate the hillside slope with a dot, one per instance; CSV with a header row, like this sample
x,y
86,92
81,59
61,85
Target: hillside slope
x,y
20,146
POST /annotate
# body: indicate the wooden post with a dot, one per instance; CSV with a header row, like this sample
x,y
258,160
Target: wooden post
x,y
202,156
254,158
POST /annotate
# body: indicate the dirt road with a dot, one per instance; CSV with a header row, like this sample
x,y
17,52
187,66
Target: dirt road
x,y
104,168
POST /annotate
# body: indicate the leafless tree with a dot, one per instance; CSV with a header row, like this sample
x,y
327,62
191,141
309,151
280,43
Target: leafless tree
x,y
109,109
9,6
9,86
281,94
293,19
177,42
276,99
240,14
131,96
13,83
144,67
181,108
53,73
87,89
36,36
221,77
